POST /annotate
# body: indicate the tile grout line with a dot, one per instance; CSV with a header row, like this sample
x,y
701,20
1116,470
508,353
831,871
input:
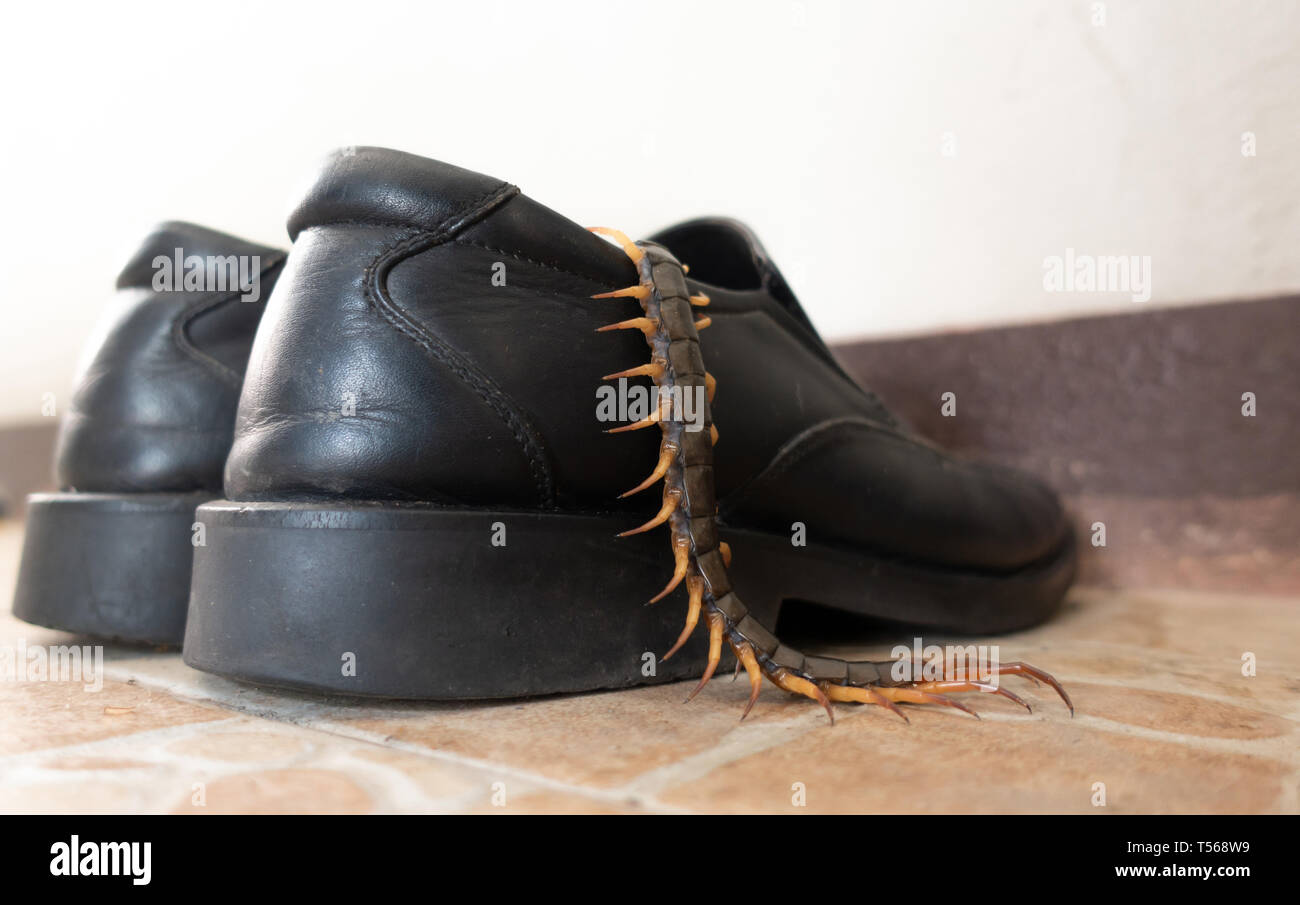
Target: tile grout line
x,y
162,734
640,789
738,744
618,794
1291,716
1287,754
643,789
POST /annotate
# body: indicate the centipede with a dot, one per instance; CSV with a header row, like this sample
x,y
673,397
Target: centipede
x,y
701,559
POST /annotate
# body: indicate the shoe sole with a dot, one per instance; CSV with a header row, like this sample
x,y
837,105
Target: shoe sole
x,y
415,601
111,566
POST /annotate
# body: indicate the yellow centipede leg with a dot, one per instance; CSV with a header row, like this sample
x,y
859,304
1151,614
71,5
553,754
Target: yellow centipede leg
x,y
682,558
913,696
787,680
629,247
654,369
715,651
639,292
863,695
695,589
659,414
672,499
667,455
745,654
644,324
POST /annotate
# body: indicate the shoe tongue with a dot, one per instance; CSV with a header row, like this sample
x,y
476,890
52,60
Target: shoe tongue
x,y
170,240
725,253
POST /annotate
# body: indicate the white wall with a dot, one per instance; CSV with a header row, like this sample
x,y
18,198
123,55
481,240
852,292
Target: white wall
x,y
821,123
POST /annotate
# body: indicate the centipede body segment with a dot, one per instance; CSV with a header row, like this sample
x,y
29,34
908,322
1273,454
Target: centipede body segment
x,y
683,414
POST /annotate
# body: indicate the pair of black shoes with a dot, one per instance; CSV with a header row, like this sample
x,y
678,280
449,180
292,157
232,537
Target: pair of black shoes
x,y
391,475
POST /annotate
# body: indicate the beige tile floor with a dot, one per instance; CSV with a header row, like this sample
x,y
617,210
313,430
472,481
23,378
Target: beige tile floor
x,y
1166,722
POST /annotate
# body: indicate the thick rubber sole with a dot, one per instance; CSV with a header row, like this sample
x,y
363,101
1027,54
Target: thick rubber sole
x,y
112,566
416,601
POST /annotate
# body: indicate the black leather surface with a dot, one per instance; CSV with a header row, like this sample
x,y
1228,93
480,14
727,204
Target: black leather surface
x,y
153,410
485,395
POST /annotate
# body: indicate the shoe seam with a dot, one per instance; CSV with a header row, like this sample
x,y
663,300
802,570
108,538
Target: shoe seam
x,y
549,265
201,305
804,444
375,288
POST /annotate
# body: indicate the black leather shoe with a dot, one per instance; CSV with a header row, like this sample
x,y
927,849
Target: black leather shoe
x,y
145,439
422,500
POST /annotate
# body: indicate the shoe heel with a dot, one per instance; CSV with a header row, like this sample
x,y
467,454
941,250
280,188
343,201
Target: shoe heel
x,y
114,566
421,602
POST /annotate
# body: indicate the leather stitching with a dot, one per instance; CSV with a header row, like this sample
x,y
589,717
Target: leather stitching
x,y
544,264
204,303
496,399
